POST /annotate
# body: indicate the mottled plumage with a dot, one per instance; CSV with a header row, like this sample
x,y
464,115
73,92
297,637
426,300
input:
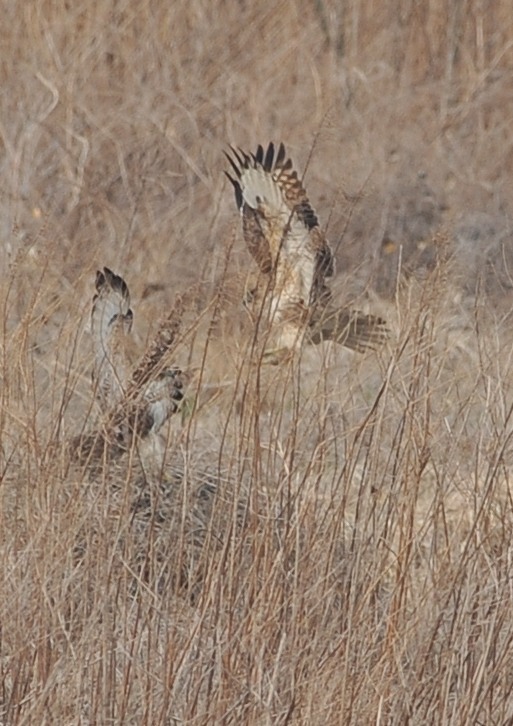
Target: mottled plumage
x,y
111,323
138,400
294,258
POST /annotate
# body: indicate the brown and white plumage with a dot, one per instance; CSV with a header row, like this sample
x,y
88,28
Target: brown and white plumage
x,y
111,323
143,397
283,235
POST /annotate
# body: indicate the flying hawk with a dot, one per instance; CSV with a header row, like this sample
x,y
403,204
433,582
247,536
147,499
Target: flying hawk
x,y
143,397
294,258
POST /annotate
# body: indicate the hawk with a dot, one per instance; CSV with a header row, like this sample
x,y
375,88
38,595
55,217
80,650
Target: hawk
x,y
111,324
145,396
294,258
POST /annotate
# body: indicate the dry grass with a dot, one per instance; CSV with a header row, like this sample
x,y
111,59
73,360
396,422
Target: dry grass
x,y
324,543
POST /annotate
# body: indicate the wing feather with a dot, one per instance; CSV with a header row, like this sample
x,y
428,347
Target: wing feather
x,y
283,235
268,161
144,397
111,322
259,156
279,224
281,156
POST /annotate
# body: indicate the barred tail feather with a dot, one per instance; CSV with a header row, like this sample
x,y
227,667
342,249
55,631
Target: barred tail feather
x,y
352,329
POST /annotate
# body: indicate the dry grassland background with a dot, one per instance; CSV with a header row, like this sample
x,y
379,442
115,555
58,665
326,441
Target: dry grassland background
x,y
328,542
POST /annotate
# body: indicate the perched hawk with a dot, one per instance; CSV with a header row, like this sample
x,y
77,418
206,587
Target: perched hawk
x,y
294,258
140,398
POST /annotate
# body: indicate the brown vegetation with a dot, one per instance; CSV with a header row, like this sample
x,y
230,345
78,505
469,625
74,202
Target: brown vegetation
x,y
325,542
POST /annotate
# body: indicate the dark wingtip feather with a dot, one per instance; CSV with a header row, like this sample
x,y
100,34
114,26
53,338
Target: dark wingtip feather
x,y
259,156
115,281
238,190
269,157
281,155
246,159
234,166
100,280
238,154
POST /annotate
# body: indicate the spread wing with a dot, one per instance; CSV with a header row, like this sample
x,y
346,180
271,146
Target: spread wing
x,y
280,227
283,235
111,322
147,395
